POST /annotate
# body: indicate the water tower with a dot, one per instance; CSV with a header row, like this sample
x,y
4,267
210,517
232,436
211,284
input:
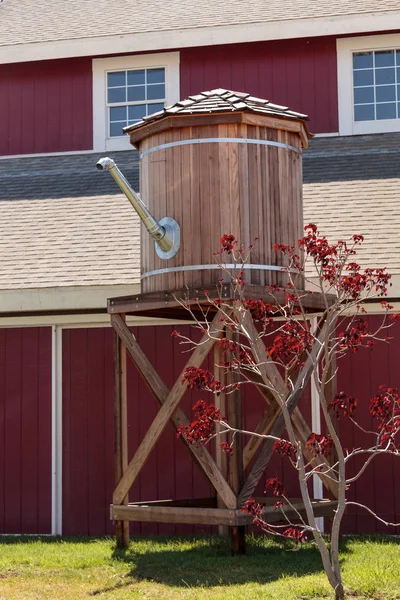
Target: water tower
x,y
218,162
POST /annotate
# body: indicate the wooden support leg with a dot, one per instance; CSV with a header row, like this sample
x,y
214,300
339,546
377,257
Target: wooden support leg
x,y
120,431
220,457
235,464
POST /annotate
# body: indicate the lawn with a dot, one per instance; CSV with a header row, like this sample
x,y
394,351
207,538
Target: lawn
x,y
191,568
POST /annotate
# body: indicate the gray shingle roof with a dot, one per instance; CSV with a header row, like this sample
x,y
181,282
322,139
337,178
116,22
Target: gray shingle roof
x,y
29,21
220,100
64,223
352,185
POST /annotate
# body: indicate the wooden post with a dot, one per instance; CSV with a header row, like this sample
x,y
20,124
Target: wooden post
x,y
220,456
120,430
235,464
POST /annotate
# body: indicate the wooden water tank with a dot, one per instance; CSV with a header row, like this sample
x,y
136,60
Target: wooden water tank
x,y
221,162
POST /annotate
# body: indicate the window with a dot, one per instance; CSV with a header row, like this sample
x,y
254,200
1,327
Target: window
x,y
369,84
125,89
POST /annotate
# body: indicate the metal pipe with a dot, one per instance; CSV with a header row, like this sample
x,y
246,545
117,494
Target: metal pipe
x,y
165,233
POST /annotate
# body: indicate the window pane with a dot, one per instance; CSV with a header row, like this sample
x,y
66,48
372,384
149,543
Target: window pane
x,y
155,75
116,128
136,93
136,77
116,95
118,113
362,60
116,79
385,93
137,112
364,77
384,58
384,76
153,108
397,57
364,95
398,110
364,112
386,111
155,92
398,74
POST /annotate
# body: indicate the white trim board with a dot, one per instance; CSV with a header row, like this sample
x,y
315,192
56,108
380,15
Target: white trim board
x,y
201,36
56,431
345,48
84,297
168,60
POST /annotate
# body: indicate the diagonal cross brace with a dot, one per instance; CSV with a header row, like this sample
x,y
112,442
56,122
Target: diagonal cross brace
x,y
273,378
169,401
300,427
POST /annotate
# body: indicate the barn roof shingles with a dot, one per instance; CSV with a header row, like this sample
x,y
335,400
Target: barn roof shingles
x,y
352,185
51,20
63,223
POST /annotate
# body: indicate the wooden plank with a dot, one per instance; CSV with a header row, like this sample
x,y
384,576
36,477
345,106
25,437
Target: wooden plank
x,y
220,402
271,514
120,436
163,514
235,464
210,502
161,393
264,425
212,516
168,299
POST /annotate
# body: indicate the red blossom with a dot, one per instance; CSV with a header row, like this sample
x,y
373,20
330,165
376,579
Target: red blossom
x,y
356,334
291,342
296,534
227,448
203,426
228,242
285,448
279,504
201,379
260,310
252,508
277,486
344,405
357,239
319,444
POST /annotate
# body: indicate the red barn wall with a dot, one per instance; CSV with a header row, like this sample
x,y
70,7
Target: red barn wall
x,y
360,375
46,106
25,430
297,73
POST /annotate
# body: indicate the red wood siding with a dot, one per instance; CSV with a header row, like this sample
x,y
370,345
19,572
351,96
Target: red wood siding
x,y
25,430
88,460
88,451
46,106
88,463
299,73
360,375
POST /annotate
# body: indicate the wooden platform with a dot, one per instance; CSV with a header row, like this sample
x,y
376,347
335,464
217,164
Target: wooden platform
x,y
166,304
169,511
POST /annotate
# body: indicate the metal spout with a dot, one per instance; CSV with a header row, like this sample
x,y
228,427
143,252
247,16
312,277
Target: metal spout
x,y
165,232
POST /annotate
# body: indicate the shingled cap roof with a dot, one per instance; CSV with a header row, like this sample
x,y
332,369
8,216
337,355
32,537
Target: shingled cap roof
x,y
221,101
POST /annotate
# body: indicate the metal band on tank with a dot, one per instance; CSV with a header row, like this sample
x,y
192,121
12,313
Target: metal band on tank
x,y
214,266
217,140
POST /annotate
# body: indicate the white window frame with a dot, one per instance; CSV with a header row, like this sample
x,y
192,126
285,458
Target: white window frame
x,y
167,60
345,48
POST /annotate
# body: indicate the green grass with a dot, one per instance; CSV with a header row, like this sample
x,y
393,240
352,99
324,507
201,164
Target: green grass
x,y
191,568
